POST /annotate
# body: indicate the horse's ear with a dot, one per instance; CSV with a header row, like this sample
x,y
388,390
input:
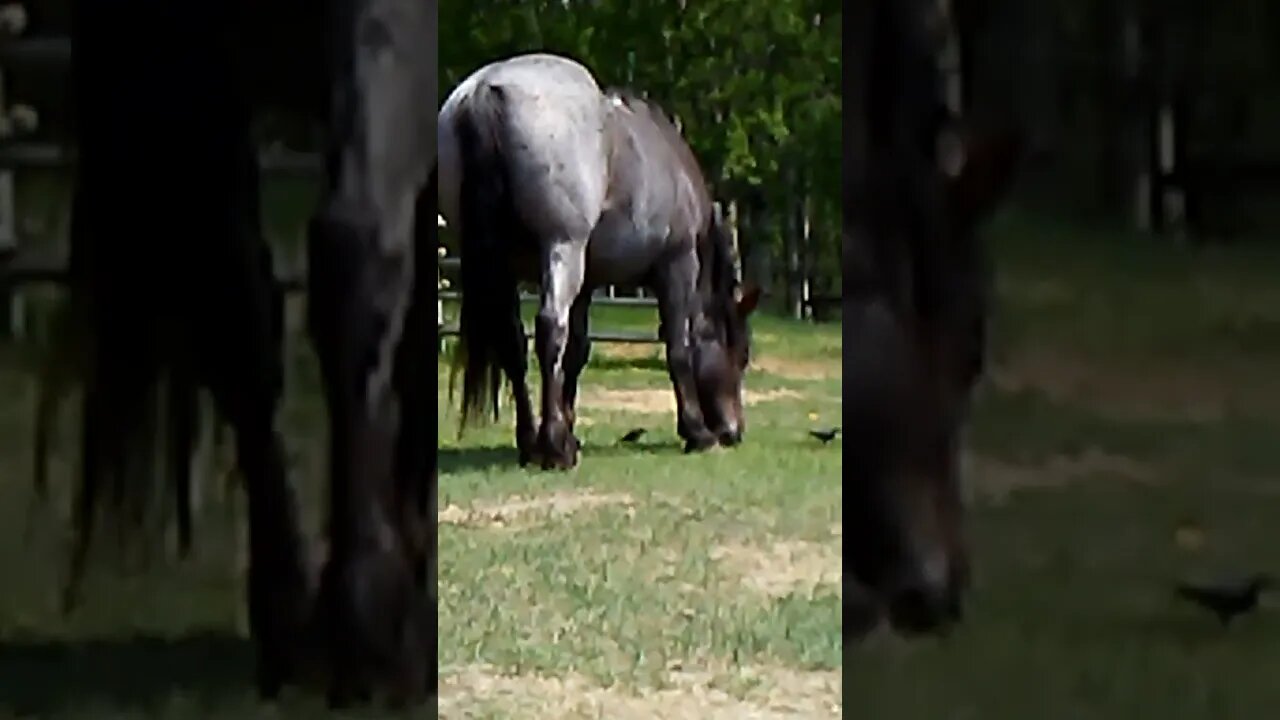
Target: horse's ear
x,y
979,170
749,300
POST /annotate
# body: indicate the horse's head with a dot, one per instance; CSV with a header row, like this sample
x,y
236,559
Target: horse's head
x,y
721,354
914,347
722,339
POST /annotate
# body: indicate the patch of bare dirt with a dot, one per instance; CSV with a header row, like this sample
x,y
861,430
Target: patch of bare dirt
x,y
772,694
991,480
782,568
629,351
520,510
796,368
646,400
1150,392
752,397
1041,291
659,400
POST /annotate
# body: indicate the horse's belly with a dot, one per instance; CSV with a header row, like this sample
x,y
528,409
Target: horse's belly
x,y
619,253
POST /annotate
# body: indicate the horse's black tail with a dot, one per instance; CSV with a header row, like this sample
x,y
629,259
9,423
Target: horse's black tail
x,y
490,299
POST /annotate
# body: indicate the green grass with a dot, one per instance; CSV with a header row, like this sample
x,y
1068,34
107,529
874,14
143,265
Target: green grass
x,y
1161,357
617,594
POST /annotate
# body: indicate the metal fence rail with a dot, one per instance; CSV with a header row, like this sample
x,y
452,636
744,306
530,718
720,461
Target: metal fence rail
x,y
605,336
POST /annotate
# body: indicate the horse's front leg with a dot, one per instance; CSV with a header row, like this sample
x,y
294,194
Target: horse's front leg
x,y
676,288
577,353
562,276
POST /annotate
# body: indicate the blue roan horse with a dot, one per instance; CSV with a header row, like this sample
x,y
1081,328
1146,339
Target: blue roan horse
x,y
551,180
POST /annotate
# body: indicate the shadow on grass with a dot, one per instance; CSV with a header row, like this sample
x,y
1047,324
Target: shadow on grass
x,y
454,460
1187,629
635,448
41,677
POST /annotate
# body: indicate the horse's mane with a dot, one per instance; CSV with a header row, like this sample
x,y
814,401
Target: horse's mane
x,y
718,282
719,286
638,103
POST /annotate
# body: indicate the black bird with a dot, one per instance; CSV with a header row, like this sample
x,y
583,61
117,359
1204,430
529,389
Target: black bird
x,y
825,436
1227,599
632,435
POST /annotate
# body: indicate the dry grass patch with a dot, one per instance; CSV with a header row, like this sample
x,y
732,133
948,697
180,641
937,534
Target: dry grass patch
x,y
782,568
991,480
631,351
752,397
1039,291
646,400
517,509
768,693
1149,392
796,368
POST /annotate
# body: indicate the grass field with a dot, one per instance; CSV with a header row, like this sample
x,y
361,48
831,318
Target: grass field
x,y
1127,438
647,583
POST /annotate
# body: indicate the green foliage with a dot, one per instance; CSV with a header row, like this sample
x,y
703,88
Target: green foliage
x,y
755,83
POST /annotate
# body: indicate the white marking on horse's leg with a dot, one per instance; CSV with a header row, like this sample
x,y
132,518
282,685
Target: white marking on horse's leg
x,y
562,277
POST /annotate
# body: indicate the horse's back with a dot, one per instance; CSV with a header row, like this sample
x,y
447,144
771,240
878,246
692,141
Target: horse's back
x,y
547,115
657,192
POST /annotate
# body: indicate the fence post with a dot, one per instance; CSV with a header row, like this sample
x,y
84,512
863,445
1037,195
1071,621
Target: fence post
x,y
732,219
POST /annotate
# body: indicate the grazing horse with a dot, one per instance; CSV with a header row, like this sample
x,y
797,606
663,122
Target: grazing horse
x,y
177,282
551,180
915,304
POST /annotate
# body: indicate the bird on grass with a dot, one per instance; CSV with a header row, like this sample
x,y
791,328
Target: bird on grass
x,y
632,435
1227,599
825,436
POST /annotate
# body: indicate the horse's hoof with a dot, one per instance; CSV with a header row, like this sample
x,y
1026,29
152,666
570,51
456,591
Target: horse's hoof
x,y
700,442
527,446
557,461
270,684
729,439
559,450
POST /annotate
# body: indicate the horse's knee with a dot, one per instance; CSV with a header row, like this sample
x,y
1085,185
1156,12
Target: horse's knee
x,y
679,359
551,329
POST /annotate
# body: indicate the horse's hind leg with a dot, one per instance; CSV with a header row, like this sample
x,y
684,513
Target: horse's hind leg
x,y
562,277
416,442
513,356
277,579
60,373
242,365
181,411
100,460
577,353
677,304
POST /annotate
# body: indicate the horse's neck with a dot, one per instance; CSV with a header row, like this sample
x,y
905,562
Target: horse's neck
x,y
644,160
